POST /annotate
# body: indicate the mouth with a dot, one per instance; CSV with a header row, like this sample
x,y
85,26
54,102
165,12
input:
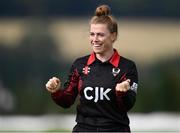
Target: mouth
x,y
97,48
97,45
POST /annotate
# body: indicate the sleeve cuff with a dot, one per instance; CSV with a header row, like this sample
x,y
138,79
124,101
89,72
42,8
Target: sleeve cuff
x,y
121,94
56,94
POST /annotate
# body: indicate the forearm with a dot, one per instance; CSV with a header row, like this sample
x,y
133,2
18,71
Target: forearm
x,y
125,101
63,98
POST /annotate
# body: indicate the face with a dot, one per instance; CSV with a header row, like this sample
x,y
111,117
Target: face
x,y
101,38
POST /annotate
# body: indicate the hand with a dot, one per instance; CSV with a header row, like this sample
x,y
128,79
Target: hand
x,y
53,84
123,86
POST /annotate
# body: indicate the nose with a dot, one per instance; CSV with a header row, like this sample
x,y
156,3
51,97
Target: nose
x,y
95,38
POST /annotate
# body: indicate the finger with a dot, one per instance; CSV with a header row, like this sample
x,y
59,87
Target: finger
x,y
49,88
122,90
126,87
48,85
118,87
128,80
56,79
126,84
52,84
53,81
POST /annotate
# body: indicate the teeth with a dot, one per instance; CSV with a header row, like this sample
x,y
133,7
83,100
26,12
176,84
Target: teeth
x,y
97,45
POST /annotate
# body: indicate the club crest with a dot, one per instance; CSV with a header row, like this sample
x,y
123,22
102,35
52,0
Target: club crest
x,y
115,71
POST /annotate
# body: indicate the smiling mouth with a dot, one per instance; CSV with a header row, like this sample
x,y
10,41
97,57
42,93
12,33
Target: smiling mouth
x,y
97,45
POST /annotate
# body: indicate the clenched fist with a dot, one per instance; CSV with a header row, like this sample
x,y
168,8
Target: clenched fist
x,y
53,84
123,86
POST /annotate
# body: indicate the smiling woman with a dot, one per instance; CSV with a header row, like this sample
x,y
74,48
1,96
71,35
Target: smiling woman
x,y
102,41
103,32
105,81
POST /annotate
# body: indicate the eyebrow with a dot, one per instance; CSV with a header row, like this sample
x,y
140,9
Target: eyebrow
x,y
97,32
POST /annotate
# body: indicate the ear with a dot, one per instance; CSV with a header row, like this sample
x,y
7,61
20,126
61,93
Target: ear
x,y
113,36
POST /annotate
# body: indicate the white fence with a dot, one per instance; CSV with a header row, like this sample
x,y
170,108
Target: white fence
x,y
154,122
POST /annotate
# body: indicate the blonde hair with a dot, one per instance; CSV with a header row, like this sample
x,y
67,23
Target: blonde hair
x,y
103,16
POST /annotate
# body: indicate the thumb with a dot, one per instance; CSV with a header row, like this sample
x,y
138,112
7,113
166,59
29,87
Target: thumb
x,y
128,80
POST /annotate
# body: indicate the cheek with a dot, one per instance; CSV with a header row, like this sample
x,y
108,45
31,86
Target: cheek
x,y
107,41
91,40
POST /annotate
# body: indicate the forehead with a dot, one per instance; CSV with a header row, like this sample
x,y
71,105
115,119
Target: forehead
x,y
98,28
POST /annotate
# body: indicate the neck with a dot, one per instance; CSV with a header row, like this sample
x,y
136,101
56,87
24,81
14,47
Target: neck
x,y
105,56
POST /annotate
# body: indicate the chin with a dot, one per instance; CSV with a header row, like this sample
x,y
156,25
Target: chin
x,y
97,51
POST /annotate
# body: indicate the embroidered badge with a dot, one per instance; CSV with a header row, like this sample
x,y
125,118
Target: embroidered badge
x,y
115,71
86,70
134,87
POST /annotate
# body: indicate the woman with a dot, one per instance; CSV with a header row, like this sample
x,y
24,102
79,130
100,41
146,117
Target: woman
x,y
105,81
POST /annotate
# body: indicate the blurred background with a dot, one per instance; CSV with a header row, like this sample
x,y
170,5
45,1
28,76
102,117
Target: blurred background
x,y
41,39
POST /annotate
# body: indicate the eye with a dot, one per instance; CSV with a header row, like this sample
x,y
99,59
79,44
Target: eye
x,y
92,34
101,34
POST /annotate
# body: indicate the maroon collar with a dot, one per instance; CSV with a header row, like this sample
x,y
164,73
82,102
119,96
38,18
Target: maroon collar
x,y
114,59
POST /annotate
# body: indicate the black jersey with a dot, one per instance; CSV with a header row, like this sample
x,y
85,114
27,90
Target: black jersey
x,y
95,81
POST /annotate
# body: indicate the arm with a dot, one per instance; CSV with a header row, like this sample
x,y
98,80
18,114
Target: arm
x,y
67,96
127,89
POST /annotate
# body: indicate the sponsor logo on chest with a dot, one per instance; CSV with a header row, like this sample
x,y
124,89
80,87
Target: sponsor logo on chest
x,y
100,93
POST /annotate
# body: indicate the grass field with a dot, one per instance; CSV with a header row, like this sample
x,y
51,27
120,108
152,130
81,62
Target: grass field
x,y
150,122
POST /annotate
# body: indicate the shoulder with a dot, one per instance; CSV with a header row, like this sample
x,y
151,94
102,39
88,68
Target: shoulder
x,y
127,62
81,61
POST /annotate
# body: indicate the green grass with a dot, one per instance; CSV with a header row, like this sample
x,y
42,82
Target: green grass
x,y
34,131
